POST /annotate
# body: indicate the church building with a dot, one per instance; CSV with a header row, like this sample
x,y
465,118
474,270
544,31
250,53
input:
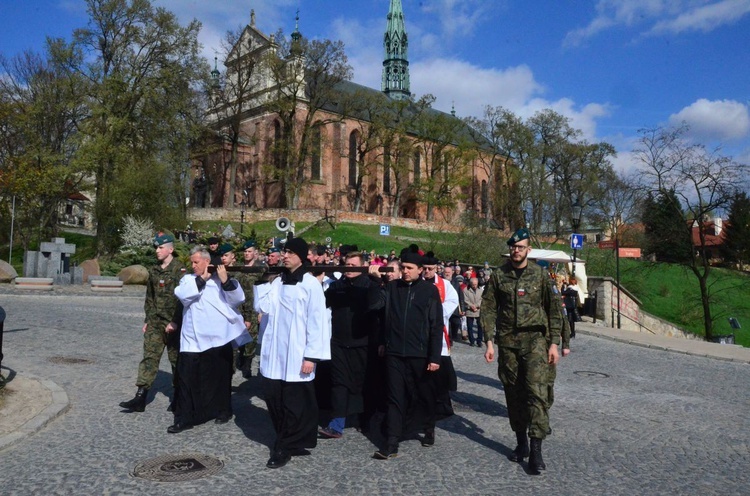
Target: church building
x,y
287,135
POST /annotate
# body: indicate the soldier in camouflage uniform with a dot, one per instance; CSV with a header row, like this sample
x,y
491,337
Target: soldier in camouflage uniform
x,y
163,318
521,310
247,281
565,339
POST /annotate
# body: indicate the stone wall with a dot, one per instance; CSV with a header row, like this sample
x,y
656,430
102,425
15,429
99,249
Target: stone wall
x,y
632,317
233,215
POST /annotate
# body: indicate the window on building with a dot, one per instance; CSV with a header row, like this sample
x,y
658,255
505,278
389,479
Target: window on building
x,y
277,144
485,198
417,165
353,159
315,154
386,169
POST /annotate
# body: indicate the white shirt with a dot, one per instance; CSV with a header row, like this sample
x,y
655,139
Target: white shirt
x,y
210,317
298,327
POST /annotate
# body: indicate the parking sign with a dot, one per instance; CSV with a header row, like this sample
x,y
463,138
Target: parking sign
x,y
385,230
576,241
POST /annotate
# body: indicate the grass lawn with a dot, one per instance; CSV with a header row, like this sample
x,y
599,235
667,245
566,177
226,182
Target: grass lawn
x,y
671,292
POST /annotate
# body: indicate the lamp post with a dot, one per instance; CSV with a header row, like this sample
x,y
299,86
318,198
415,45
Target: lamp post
x,y
577,211
243,204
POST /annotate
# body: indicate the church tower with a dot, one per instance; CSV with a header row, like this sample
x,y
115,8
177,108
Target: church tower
x,y
396,64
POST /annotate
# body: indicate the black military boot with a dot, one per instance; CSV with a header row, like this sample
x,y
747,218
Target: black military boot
x,y
522,448
138,403
536,463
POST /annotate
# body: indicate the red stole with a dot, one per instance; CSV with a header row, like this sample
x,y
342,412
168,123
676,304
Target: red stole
x,y
440,283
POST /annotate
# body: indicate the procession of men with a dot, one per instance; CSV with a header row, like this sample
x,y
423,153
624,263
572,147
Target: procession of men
x,y
383,332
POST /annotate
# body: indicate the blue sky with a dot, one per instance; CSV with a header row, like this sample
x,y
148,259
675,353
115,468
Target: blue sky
x,y
612,66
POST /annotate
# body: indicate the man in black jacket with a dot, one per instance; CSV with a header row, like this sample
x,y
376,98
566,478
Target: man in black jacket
x,y
354,301
411,341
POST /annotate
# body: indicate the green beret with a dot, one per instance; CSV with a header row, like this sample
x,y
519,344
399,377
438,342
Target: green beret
x,y
225,248
163,238
249,244
519,235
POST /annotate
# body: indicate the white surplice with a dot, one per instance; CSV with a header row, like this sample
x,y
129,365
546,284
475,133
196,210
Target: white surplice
x,y
210,317
297,327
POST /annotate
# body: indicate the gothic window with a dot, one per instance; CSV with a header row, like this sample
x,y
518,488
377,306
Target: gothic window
x,y
277,144
353,159
485,198
417,166
315,154
386,169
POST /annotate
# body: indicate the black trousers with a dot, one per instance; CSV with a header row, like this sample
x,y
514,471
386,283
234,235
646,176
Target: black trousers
x,y
203,388
294,413
411,389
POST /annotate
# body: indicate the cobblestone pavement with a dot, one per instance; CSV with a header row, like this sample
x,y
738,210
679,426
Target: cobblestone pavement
x,y
627,420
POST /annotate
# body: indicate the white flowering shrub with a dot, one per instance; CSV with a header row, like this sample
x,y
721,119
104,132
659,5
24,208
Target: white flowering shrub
x,y
136,233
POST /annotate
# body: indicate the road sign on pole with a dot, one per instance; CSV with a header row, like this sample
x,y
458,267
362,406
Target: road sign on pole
x,y
576,241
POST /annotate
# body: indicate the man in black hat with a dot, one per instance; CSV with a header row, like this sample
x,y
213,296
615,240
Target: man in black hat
x,y
163,317
296,336
213,249
521,309
411,341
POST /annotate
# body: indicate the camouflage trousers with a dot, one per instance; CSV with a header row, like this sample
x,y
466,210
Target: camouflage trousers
x,y
524,372
551,376
155,339
244,355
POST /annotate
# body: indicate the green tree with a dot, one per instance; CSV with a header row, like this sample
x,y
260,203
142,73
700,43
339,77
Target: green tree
x,y
448,151
695,182
736,247
40,112
667,239
305,75
231,95
142,70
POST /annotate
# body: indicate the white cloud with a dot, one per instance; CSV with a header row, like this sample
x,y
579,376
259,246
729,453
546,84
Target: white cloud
x,y
472,87
715,120
705,19
660,16
459,17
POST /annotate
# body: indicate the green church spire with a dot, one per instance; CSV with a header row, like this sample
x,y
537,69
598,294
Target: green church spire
x,y
396,63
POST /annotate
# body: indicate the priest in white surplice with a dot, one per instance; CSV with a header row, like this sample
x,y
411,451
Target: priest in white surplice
x,y
296,337
211,327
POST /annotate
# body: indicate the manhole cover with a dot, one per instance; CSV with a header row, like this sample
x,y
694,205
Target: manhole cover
x,y
59,359
591,373
178,468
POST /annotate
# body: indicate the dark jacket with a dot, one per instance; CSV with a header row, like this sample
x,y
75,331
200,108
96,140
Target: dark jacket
x,y
354,305
413,325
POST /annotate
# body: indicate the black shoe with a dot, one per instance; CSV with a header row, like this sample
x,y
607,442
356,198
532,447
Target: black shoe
x,y
390,452
299,452
138,403
223,418
278,459
178,427
428,439
522,448
536,463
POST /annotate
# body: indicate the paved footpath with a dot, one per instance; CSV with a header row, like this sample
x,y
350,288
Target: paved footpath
x,y
627,420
